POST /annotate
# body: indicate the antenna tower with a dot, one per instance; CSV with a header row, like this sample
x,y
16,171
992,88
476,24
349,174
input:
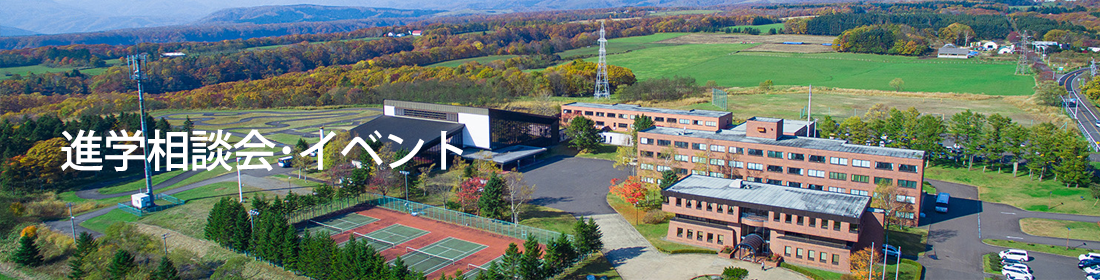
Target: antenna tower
x,y
136,64
1022,65
1092,67
602,90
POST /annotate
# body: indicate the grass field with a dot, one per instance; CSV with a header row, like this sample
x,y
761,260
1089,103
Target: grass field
x,y
623,45
604,152
240,122
909,271
101,223
763,28
39,69
1057,228
481,59
912,240
1022,192
1049,249
654,233
190,218
724,64
548,218
139,184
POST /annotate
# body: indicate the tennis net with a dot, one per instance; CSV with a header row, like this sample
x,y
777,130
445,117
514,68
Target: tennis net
x,y
449,261
338,230
387,244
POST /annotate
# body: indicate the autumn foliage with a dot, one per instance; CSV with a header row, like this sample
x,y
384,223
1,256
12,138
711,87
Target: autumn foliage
x,y
469,192
632,191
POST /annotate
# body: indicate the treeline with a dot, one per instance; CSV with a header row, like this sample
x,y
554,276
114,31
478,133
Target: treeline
x,y
882,39
1045,148
985,26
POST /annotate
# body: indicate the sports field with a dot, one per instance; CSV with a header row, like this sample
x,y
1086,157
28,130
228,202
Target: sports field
x,y
282,126
729,66
425,245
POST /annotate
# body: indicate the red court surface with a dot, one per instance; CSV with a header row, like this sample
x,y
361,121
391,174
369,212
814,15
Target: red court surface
x,y
437,231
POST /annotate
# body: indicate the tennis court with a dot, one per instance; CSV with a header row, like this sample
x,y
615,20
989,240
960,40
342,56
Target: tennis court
x,y
338,224
474,270
440,254
390,236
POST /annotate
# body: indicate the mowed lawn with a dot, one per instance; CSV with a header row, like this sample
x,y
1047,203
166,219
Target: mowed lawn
x,y
1060,229
1021,191
724,64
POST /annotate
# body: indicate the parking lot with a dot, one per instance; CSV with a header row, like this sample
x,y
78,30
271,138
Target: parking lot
x,y
575,185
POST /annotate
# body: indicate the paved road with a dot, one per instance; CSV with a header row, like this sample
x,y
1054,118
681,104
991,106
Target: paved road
x,y
1003,222
1086,112
575,185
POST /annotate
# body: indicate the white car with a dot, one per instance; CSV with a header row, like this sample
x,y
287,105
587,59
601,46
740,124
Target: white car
x,y
1014,254
1019,266
1017,275
1092,277
1092,269
890,250
1088,256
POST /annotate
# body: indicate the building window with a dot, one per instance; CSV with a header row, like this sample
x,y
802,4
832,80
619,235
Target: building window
x,y
817,159
813,223
712,123
774,168
697,146
787,218
587,113
720,242
907,184
836,259
710,237
884,166
815,173
681,145
755,166
883,181
799,220
679,232
816,187
787,251
737,164
836,226
795,171
647,154
736,150
699,205
696,122
678,201
663,142
858,192
755,152
699,236
599,114
824,224
904,215
907,168
683,158
599,123
646,166
710,207
719,162
645,141
810,255
774,154
716,148
775,216
824,256
838,161
906,199
729,209
651,181
794,185
695,159
566,111
658,119
838,176
662,168
853,228
690,234
685,121
860,178
861,163
798,253
836,189
671,120
612,115
775,182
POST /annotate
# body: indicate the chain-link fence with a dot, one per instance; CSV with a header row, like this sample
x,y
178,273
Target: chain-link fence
x,y
719,98
149,210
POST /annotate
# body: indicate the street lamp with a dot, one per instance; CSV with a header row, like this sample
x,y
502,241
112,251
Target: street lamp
x,y
406,173
72,220
252,213
240,188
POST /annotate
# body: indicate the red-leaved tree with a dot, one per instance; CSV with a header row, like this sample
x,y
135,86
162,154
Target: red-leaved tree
x,y
630,190
469,192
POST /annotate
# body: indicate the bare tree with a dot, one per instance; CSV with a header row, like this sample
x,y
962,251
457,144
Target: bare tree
x,y
518,192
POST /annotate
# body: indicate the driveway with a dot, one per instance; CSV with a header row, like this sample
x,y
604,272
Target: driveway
x,y
572,184
954,243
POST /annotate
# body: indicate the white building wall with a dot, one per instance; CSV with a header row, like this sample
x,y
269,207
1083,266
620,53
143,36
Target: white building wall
x,y
614,138
387,110
477,132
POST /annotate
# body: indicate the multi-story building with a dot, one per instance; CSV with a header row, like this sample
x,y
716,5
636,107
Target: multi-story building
x,y
620,117
807,227
762,153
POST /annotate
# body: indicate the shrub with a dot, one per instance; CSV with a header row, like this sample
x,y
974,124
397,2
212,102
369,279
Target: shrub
x,y
994,262
655,217
734,273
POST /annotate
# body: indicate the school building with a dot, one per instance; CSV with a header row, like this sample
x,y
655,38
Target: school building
x,y
761,151
620,117
806,227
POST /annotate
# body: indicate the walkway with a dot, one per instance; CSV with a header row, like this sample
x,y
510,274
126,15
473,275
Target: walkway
x,y
635,258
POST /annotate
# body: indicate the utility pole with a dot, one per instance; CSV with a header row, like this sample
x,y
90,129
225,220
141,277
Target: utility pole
x,y
897,267
72,220
871,261
240,187
406,173
165,238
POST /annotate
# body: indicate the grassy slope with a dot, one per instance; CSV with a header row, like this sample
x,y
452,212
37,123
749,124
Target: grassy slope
x,y
721,63
101,223
1028,194
623,45
1057,228
907,271
136,185
482,60
548,218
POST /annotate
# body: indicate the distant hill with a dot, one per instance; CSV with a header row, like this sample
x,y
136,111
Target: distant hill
x,y
306,13
12,31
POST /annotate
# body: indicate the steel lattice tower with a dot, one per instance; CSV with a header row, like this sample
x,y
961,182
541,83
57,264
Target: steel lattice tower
x,y
1092,67
1022,64
602,90
136,64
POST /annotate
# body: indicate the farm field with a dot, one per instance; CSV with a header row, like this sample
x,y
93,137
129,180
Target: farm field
x,y
622,45
763,27
39,69
480,59
727,65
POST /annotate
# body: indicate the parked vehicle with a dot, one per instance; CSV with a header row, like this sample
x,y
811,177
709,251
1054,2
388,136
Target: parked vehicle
x,y
1092,269
1088,256
890,250
1088,262
1094,276
286,161
1020,266
1013,274
942,200
1014,254
1009,262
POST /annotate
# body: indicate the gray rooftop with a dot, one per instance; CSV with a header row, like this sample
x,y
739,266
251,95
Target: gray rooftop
x,y
791,141
953,50
637,108
502,155
789,126
814,201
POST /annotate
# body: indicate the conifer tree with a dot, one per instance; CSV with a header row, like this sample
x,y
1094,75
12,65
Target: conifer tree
x,y
587,236
559,255
84,244
166,270
491,203
27,254
510,263
531,263
121,265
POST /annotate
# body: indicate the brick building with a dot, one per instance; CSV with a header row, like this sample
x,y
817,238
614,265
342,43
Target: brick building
x,y
807,227
620,117
761,152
